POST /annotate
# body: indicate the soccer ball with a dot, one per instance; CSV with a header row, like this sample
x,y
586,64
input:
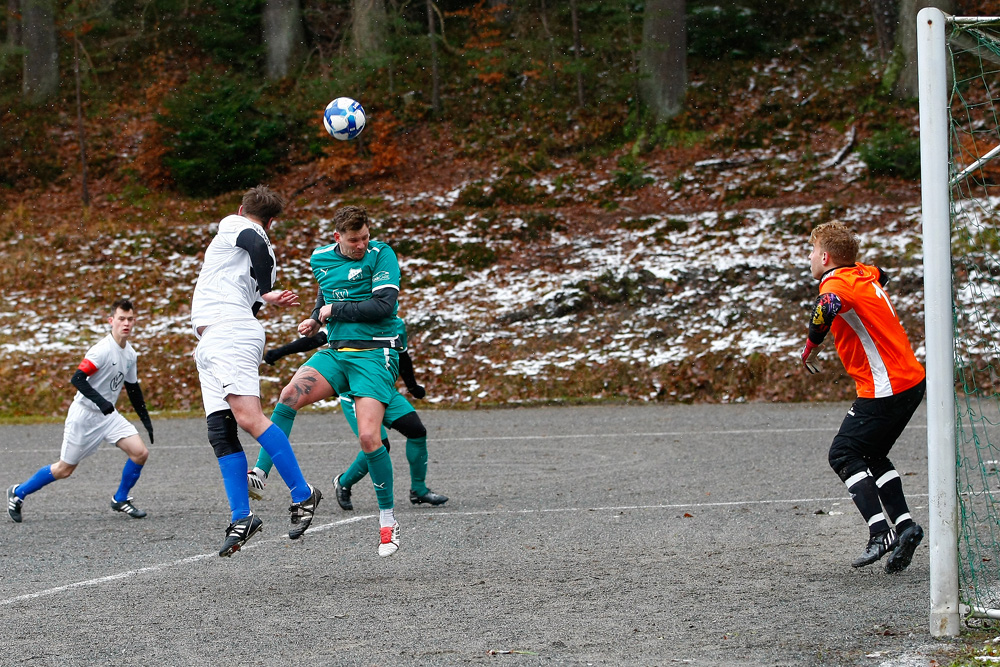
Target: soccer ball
x,y
344,118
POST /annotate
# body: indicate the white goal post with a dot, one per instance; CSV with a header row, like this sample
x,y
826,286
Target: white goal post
x,y
942,486
959,67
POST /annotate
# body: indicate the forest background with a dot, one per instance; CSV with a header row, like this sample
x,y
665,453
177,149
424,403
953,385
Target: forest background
x,y
591,201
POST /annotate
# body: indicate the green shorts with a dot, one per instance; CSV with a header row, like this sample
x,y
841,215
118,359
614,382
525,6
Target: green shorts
x,y
364,373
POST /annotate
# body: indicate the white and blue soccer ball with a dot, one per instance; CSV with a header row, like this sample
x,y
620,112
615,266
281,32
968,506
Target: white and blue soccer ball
x,y
344,118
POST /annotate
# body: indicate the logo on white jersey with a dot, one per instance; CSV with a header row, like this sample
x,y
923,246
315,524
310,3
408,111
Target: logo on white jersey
x,y
354,274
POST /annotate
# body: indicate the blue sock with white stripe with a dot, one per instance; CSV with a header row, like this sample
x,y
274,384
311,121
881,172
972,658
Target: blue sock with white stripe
x,y
37,481
234,477
276,444
130,475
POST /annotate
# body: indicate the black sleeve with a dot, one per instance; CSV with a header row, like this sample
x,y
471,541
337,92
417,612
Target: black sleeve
x,y
301,345
380,306
81,382
409,379
261,263
828,305
134,392
320,302
406,369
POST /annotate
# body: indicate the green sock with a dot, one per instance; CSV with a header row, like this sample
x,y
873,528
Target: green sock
x,y
283,417
380,469
416,455
356,471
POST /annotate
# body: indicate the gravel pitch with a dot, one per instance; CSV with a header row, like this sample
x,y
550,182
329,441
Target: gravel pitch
x,y
611,535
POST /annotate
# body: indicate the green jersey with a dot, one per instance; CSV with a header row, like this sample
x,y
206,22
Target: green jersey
x,y
342,279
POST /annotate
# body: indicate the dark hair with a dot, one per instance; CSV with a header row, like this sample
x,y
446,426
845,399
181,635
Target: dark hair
x,y
350,219
124,304
262,203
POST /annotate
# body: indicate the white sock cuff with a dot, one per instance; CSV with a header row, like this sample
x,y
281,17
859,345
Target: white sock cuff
x,y
886,478
875,519
855,478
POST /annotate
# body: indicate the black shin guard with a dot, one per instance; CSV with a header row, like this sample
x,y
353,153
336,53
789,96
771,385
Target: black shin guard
x,y
410,426
223,433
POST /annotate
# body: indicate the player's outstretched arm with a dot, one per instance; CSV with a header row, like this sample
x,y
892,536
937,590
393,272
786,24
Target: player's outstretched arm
x,y
304,344
134,392
281,297
82,384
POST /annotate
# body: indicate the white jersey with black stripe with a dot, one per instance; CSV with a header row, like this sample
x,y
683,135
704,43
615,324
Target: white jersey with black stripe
x,y
115,365
226,291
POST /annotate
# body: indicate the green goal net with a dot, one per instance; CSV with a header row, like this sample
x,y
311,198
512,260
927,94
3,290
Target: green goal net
x,y
974,144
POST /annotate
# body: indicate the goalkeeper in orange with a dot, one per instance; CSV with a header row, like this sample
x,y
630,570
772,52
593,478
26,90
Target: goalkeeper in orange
x,y
876,353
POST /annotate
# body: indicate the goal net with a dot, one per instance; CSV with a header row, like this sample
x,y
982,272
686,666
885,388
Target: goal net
x,y
960,165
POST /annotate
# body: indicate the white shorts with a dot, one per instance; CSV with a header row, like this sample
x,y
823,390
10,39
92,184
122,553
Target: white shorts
x,y
86,429
228,358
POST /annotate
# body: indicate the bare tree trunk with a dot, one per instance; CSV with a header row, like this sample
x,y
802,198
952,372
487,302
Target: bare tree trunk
x,y
81,135
369,23
13,23
435,80
663,64
905,56
41,54
885,14
283,36
577,51
552,47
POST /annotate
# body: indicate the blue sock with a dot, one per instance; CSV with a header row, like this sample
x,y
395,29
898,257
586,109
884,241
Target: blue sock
x,y
37,481
130,475
234,477
276,444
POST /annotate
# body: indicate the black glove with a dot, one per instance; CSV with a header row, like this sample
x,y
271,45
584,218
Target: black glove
x,y
271,356
149,429
416,390
107,408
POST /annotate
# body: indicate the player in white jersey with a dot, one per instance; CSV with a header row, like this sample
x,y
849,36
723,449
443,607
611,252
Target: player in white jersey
x,y
92,419
236,279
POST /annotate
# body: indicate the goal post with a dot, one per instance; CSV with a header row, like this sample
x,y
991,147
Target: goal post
x,y
938,334
959,104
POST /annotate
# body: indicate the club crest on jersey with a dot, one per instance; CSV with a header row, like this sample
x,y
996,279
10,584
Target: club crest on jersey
x,y
339,295
354,274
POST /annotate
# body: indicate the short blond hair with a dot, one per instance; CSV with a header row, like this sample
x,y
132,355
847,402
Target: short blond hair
x,y
838,240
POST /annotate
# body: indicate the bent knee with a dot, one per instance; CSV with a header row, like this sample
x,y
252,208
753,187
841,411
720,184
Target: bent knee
x,y
61,470
303,389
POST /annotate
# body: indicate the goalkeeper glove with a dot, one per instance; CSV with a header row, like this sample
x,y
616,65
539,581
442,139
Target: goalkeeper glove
x,y
809,353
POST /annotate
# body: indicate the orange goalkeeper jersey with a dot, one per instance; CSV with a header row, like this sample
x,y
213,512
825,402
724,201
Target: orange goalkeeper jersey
x,y
871,342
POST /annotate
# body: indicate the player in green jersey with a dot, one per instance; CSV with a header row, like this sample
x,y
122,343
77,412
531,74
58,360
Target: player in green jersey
x,y
357,300
399,415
